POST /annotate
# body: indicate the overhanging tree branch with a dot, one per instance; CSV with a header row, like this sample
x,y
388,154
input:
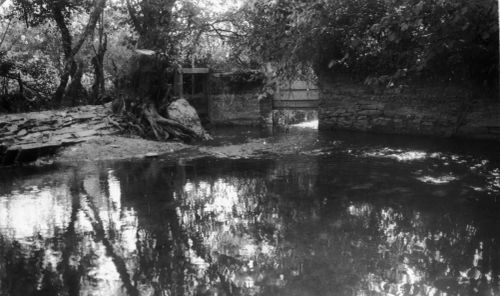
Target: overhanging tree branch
x,y
6,30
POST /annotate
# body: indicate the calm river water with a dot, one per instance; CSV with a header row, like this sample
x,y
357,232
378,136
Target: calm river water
x,y
322,214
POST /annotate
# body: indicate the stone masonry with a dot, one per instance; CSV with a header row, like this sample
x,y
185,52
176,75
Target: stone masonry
x,y
436,111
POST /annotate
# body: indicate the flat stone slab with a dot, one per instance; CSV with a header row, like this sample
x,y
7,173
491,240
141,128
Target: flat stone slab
x,y
27,136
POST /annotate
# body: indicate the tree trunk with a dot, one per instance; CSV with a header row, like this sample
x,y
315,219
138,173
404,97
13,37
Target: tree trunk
x,y
93,18
59,94
98,88
98,85
57,13
70,51
75,92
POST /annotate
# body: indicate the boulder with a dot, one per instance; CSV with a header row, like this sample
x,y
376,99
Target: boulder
x,y
182,112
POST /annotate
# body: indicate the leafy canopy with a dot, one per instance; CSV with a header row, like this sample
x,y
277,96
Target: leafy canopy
x,y
396,39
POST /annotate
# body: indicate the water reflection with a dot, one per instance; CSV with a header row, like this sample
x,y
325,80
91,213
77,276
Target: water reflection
x,y
36,211
314,224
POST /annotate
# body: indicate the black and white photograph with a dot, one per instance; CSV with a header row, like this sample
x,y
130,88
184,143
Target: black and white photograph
x,y
249,148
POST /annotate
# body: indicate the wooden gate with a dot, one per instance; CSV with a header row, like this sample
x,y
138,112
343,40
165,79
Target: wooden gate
x,y
296,95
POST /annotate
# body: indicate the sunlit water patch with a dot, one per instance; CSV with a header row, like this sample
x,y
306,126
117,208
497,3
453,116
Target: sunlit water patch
x,y
397,154
437,180
34,212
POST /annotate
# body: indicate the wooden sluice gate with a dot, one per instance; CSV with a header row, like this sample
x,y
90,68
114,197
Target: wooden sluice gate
x,y
296,95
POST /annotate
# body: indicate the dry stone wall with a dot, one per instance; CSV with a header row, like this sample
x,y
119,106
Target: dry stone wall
x,y
437,111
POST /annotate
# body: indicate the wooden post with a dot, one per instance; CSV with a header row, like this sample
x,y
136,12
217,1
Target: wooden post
x,y
192,85
206,96
192,78
179,84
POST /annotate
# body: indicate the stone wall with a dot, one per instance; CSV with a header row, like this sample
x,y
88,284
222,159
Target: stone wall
x,y
234,109
425,110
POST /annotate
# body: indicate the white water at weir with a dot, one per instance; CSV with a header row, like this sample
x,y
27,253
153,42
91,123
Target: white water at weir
x,y
313,124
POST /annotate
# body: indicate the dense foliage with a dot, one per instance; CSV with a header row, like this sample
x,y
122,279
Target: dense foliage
x,y
68,52
380,39
78,52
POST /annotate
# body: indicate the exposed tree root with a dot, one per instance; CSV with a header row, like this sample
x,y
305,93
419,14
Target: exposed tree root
x,y
145,120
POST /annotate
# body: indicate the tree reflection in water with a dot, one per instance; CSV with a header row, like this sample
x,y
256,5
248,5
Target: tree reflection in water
x,y
301,226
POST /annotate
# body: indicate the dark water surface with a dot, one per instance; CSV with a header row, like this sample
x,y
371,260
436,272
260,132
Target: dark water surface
x,y
342,214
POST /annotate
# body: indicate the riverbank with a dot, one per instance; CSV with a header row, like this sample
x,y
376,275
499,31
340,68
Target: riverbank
x,y
26,137
247,144
87,140
84,133
112,147
250,143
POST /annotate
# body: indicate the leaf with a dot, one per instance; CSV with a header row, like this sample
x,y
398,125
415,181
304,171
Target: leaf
x,y
355,43
375,28
418,8
392,36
